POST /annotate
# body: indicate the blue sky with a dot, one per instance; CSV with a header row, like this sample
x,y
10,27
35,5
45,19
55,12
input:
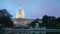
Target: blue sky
x,y
32,8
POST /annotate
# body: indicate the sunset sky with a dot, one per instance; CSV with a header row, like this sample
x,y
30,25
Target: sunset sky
x,y
32,8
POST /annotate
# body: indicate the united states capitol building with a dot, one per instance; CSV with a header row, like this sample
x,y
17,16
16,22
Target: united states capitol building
x,y
20,18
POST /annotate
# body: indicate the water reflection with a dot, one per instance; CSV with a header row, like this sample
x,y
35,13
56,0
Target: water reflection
x,y
3,32
52,32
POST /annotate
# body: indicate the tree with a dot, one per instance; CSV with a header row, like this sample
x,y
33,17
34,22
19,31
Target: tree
x,y
45,20
39,24
5,19
58,22
52,22
4,12
33,24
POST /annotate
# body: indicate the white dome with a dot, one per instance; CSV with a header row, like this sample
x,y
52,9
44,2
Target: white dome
x,y
20,13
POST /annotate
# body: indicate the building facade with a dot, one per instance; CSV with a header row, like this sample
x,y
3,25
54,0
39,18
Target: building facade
x,y
20,18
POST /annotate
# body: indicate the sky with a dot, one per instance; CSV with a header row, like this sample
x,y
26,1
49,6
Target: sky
x,y
32,8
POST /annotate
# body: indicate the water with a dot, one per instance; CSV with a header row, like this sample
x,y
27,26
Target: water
x,y
29,32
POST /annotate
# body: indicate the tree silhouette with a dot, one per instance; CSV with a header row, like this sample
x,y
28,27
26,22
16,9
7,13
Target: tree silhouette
x,y
5,19
58,22
45,20
49,21
33,24
52,22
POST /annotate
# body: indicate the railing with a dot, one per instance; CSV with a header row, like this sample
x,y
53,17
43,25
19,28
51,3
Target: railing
x,y
30,31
